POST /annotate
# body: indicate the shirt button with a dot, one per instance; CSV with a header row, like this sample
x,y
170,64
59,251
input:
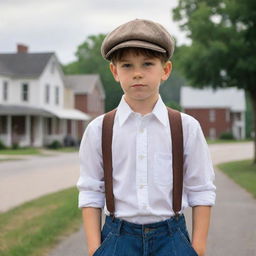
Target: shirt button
x,y
144,207
141,186
141,130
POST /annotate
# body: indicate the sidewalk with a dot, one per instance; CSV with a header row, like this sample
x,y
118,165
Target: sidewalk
x,y
233,220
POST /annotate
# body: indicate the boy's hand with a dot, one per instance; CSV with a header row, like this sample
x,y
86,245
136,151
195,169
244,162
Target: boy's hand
x,y
199,249
91,251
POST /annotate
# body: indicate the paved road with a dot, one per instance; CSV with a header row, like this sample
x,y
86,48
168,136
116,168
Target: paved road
x,y
27,179
233,222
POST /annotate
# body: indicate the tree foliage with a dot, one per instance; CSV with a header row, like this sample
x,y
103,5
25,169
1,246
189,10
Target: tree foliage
x,y
223,41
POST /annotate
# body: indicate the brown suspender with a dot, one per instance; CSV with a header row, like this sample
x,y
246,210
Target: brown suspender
x,y
177,156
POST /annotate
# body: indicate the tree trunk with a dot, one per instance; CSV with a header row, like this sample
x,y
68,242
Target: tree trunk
x,y
253,100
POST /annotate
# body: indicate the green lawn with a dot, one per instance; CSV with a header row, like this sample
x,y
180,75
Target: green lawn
x,y
226,141
243,173
21,151
35,227
35,151
65,149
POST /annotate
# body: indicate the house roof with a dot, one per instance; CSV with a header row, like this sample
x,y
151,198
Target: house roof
x,y
23,64
231,98
84,84
73,114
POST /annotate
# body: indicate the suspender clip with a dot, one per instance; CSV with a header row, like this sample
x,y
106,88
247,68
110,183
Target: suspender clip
x,y
112,215
177,215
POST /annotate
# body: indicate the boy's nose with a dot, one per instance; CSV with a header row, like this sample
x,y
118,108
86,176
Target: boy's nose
x,y
137,74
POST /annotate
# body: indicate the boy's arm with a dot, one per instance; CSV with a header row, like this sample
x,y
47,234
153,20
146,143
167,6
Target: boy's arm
x,y
92,228
200,226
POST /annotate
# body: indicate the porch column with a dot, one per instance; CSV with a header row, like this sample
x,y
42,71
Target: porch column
x,y
38,141
9,131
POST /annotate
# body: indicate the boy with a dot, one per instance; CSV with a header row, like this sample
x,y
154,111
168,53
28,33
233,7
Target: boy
x,y
144,222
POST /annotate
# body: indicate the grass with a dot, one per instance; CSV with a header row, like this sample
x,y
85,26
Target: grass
x,y
243,173
35,151
65,149
33,228
20,151
218,141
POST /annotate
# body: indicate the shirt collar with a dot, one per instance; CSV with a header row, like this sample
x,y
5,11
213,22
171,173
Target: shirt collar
x,y
159,111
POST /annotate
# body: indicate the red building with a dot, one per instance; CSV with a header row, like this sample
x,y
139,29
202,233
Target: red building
x,y
217,111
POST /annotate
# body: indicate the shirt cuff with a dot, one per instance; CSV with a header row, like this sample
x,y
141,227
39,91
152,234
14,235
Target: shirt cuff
x,y
91,199
201,198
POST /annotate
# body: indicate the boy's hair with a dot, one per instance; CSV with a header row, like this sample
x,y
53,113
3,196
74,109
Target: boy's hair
x,y
118,55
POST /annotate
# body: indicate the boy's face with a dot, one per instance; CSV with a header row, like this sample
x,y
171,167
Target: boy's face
x,y
140,76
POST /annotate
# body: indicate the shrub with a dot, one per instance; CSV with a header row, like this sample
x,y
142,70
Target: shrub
x,y
55,145
15,146
226,136
2,146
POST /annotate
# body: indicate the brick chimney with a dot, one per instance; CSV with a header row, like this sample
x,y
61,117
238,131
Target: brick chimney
x,y
21,48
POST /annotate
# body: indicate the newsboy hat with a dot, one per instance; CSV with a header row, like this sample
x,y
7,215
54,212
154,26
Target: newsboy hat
x,y
138,33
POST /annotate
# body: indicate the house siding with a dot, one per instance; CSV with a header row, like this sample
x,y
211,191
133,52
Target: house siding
x,y
220,124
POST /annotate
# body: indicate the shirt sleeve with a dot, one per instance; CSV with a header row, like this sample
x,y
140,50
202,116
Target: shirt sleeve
x,y
91,180
198,168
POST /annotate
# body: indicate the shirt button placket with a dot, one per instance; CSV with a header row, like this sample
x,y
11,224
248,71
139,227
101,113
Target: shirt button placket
x,y
141,167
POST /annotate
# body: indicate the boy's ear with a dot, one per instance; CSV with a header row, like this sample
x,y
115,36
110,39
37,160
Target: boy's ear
x,y
113,70
167,68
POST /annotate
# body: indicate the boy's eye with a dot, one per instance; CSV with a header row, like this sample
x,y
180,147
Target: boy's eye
x,y
148,64
126,65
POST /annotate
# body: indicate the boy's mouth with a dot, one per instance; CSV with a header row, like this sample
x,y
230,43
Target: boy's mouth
x,y
138,85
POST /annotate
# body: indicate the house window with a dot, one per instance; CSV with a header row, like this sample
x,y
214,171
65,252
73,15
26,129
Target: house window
x,y
57,91
24,92
238,116
3,125
212,115
212,133
47,93
5,90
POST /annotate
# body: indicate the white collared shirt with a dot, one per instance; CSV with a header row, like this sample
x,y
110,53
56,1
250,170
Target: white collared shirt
x,y
142,165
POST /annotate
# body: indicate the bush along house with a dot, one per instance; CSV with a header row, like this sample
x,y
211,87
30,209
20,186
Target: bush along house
x,y
219,112
36,106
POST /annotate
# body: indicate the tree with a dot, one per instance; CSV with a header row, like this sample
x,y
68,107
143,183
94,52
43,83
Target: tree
x,y
223,41
90,61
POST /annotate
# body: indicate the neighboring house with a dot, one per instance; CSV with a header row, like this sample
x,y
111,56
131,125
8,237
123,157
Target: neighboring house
x,y
32,107
218,111
89,95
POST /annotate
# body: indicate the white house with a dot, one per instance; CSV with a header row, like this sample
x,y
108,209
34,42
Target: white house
x,y
218,111
32,91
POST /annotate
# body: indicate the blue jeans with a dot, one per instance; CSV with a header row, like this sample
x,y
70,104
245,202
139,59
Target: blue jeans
x,y
164,238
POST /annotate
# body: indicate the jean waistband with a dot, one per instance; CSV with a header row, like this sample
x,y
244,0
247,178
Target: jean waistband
x,y
170,225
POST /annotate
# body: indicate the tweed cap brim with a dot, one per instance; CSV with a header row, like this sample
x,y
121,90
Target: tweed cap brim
x,y
141,34
136,44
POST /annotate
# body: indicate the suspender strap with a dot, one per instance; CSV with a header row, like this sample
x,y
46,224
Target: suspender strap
x,y
177,153
107,134
177,156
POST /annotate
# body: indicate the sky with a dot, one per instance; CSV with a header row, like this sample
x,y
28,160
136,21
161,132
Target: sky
x,y
61,25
